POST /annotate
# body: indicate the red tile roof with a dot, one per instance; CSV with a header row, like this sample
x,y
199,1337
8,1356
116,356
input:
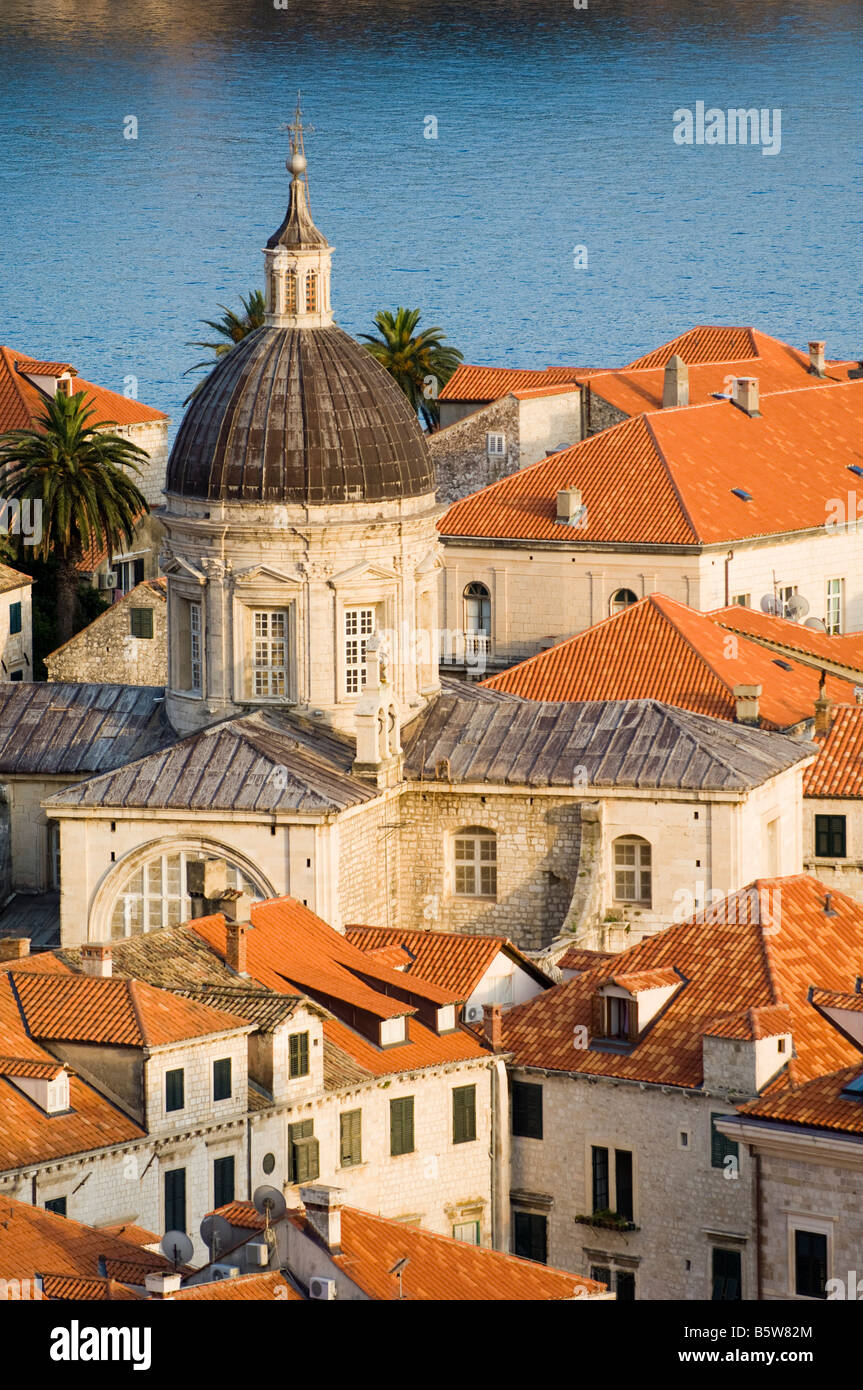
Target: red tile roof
x,y
781,634
661,649
470,383
268,1287
455,961
21,403
444,1269
63,1287
28,1066
291,947
137,1235
667,478
577,958
818,1104
836,999
639,981
751,1025
838,769
123,1013
721,344
33,1241
763,946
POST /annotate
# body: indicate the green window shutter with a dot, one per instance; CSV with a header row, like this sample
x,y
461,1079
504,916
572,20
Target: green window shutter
x,y
223,1181
351,1137
14,617
175,1089
175,1200
299,1054
307,1160
297,1133
531,1239
526,1110
721,1147
141,622
402,1126
463,1114
222,1079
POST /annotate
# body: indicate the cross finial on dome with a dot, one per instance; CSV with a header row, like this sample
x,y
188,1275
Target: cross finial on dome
x,y
296,162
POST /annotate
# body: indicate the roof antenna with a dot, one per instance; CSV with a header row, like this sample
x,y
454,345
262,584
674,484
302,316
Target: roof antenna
x,y
398,1270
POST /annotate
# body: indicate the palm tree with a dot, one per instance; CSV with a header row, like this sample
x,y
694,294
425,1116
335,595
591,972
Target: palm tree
x,y
75,471
233,328
419,363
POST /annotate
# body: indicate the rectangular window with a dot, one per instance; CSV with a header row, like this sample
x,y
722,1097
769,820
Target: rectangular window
x,y
623,1183
464,1114
129,573
721,1147
833,620
599,1177
17,675
359,627
744,600
175,1089
402,1126
291,291
223,1181
351,1138
141,622
476,866
467,1232
632,872
530,1233
810,1264
619,1015
57,1205
195,646
311,292
526,1110
14,618
222,1079
298,1044
624,1285
175,1199
830,837
303,1152
269,661
726,1275
495,445
602,1275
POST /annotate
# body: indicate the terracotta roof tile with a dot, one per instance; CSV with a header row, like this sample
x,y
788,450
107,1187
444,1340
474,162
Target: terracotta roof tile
x,y
269,1286
63,1287
819,1104
577,958
838,769
454,960
33,1241
639,981
837,999
781,634
470,383
21,403
751,1025
668,478
661,649
762,946
128,1230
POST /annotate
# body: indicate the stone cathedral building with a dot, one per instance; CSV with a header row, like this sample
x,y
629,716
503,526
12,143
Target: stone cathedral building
x,y
304,736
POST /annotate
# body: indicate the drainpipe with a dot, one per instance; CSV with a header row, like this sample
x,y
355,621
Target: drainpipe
x,y
729,557
759,1230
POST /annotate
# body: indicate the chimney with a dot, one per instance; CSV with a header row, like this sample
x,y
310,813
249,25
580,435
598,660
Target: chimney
x,y
746,394
161,1283
324,1212
823,707
236,905
675,384
492,1026
747,697
235,946
570,508
207,878
829,909
14,947
816,359
96,960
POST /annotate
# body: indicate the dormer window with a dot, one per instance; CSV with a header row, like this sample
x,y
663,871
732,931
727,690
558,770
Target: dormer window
x,y
619,1018
393,1030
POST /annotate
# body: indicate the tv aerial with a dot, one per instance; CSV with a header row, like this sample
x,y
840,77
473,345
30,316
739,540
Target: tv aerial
x,y
176,1246
217,1234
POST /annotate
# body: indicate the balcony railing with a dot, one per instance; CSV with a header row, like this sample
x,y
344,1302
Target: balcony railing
x,y
464,648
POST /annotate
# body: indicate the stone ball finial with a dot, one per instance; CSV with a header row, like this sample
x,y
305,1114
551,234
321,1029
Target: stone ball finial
x,y
296,164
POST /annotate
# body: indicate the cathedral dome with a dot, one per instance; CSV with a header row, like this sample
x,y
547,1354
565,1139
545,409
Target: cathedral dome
x,y
300,415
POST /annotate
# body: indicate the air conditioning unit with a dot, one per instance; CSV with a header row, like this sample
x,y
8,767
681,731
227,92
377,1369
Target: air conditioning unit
x,y
324,1289
225,1272
108,580
473,1013
258,1254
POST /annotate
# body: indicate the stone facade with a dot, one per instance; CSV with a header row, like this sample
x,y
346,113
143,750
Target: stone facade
x,y
600,415
151,435
845,874
108,651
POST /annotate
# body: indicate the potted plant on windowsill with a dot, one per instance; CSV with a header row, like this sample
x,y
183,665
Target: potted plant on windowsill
x,y
609,1220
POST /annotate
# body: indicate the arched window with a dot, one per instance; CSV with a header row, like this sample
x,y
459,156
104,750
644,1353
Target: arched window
x,y
155,894
633,871
291,292
477,609
622,598
475,862
311,292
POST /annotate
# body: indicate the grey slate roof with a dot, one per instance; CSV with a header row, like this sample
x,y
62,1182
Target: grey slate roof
x,y
260,762
79,729
629,743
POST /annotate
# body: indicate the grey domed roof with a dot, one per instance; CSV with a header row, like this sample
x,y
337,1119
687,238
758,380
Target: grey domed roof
x,y
302,415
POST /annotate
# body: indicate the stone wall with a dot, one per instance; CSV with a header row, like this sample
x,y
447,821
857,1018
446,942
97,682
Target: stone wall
x,y
462,462
151,435
106,651
600,415
813,1194
846,874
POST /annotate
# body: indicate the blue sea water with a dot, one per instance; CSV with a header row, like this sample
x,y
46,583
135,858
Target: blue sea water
x,y
554,131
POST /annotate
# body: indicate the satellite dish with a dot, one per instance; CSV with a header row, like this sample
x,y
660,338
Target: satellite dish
x,y
217,1234
772,605
177,1247
816,624
797,607
269,1202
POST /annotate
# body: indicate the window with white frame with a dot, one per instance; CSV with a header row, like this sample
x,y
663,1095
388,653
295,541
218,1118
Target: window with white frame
x,y
475,856
477,609
269,647
155,894
359,627
495,445
195,646
622,598
743,600
833,620
633,871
